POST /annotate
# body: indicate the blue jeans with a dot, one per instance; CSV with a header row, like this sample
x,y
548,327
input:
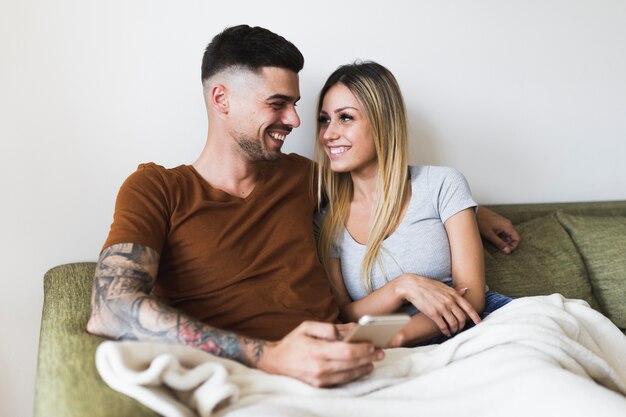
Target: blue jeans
x,y
493,301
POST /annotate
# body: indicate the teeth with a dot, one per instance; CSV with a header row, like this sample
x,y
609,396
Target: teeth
x,y
338,149
277,136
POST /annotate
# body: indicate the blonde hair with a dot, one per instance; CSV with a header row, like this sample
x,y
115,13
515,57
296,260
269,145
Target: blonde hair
x,y
379,93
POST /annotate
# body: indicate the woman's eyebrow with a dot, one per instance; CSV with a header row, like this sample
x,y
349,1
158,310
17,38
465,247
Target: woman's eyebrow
x,y
345,108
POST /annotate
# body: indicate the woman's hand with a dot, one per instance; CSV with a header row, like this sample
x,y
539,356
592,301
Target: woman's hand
x,y
442,304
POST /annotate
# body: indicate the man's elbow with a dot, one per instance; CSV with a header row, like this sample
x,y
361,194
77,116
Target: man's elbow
x,y
102,324
97,326
94,327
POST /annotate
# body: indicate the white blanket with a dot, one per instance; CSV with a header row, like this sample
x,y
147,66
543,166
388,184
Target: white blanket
x,y
535,356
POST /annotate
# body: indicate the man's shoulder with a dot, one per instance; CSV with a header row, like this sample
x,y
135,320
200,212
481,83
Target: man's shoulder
x,y
151,170
150,175
292,165
295,160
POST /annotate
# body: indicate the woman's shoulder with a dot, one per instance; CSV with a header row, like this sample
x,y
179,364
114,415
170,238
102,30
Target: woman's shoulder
x,y
433,174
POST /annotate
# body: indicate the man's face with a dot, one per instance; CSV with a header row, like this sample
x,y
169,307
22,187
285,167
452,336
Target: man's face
x,y
262,112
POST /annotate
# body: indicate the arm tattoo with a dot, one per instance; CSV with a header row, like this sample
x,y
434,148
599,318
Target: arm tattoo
x,y
122,270
219,342
124,278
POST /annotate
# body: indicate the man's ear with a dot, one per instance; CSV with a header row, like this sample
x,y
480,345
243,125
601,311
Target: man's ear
x,y
218,98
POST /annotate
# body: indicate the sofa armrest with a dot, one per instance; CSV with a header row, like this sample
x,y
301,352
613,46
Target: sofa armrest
x,y
68,384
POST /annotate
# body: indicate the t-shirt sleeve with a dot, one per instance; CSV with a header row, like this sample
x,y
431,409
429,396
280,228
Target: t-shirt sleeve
x,y
141,213
451,192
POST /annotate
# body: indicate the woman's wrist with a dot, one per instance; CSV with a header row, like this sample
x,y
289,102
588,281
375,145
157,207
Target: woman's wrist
x,y
400,287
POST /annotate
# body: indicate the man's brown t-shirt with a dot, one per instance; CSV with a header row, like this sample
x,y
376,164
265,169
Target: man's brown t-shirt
x,y
244,264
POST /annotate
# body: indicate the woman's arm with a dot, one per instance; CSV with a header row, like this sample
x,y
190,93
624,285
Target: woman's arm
x,y
444,307
467,272
382,301
466,250
420,328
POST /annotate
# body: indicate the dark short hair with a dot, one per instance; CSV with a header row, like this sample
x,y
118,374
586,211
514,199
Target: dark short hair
x,y
252,48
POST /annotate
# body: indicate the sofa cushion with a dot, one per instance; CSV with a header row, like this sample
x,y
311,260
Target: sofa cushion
x,y
545,262
602,243
68,384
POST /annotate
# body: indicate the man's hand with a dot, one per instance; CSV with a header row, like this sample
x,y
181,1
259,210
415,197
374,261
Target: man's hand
x,y
313,353
343,329
497,230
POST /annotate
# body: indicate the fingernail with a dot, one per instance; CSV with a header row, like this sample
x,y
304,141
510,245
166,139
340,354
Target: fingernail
x,y
380,355
506,250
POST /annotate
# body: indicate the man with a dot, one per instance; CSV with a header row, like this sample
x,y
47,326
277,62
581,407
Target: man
x,y
227,242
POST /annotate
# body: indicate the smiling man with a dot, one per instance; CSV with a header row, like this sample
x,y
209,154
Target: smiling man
x,y
262,104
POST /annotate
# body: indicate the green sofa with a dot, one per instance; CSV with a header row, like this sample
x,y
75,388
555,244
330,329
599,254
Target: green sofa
x,y
576,249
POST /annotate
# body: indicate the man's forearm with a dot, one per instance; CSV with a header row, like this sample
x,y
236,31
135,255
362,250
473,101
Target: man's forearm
x,y
122,309
153,320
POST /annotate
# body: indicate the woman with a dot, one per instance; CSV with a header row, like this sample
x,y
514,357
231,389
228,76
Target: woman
x,y
393,237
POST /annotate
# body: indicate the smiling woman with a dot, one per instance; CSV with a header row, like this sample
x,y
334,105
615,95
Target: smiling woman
x,y
345,132
394,238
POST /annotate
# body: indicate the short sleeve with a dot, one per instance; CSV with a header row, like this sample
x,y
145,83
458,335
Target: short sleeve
x,y
141,213
450,190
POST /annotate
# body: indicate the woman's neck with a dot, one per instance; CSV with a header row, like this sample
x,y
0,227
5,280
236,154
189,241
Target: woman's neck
x,y
365,185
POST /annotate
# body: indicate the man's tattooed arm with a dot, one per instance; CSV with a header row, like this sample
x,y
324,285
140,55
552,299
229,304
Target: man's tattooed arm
x,y
122,308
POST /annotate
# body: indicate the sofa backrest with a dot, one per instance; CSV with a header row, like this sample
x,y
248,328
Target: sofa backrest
x,y
576,249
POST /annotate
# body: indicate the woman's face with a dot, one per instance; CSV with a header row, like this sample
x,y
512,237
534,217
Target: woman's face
x,y
345,132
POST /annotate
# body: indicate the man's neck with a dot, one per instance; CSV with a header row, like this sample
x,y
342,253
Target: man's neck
x,y
222,166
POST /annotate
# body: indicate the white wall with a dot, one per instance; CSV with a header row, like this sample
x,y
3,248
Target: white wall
x,y
527,98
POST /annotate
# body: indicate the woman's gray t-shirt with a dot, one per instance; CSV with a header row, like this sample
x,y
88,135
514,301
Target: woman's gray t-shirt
x,y
420,244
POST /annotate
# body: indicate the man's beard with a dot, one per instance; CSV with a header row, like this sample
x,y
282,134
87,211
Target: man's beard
x,y
255,150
